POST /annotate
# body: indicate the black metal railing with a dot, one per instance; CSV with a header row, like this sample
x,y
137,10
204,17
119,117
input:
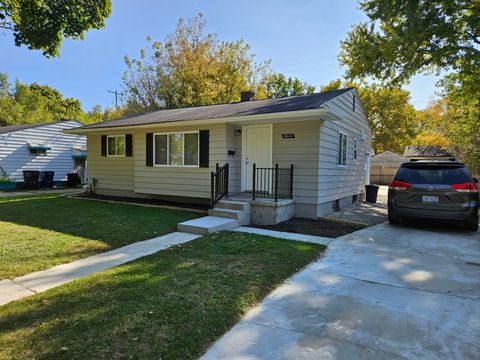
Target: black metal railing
x,y
272,183
219,184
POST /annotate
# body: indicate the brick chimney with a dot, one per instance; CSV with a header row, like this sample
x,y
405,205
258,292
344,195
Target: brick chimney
x,y
247,96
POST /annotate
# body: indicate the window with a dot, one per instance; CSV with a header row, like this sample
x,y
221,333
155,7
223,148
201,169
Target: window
x,y
355,150
116,145
433,174
342,149
38,152
176,149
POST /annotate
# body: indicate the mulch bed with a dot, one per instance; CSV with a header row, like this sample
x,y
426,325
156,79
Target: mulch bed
x,y
317,227
157,202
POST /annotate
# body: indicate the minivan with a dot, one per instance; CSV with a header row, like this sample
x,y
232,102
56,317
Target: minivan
x,y
442,190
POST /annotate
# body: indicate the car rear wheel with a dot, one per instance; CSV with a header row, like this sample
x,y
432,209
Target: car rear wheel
x,y
472,225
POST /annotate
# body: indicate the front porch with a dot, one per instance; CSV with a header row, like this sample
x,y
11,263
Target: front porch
x,y
269,202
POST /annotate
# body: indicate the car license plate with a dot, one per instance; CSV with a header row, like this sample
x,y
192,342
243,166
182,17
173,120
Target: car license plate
x,y
430,199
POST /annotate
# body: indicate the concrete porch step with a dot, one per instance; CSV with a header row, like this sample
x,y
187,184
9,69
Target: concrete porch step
x,y
226,213
233,205
207,225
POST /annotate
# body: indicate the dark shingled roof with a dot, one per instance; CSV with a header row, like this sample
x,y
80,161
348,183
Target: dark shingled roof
x,y
293,103
425,151
13,128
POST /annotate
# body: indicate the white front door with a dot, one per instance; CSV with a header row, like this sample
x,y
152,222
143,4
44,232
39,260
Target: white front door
x,y
257,149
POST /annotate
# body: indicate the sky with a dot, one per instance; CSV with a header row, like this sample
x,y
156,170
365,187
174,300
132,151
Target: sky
x,y
301,38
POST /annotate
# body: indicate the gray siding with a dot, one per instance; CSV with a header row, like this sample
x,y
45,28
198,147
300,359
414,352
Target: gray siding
x,y
318,179
335,182
234,143
15,155
112,173
303,153
178,181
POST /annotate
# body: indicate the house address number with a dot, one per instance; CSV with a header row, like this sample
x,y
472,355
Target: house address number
x,y
288,136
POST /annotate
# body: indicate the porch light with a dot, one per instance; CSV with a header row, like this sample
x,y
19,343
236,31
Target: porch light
x,y
238,132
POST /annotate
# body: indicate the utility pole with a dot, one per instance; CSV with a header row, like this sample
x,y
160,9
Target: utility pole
x,y
116,93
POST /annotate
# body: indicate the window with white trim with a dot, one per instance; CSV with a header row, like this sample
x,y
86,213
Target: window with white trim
x,y
355,150
116,145
176,149
342,149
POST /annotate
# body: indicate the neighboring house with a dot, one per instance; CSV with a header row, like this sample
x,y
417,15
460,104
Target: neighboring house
x,y
433,152
384,166
42,147
171,154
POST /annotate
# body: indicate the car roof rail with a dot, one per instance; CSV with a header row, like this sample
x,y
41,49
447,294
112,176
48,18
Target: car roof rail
x,y
452,159
413,160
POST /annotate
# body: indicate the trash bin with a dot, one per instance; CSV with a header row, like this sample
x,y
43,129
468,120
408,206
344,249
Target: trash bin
x,y
31,179
371,193
73,179
47,179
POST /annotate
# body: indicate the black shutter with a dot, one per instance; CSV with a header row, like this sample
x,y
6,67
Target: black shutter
x,y
149,154
204,147
104,145
128,145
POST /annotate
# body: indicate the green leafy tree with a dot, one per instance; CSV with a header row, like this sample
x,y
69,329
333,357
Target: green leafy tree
x,y
189,68
41,25
279,86
192,68
434,124
391,116
404,38
57,105
23,106
463,118
30,104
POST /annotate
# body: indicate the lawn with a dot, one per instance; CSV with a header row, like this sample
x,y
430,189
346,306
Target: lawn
x,y
39,232
169,305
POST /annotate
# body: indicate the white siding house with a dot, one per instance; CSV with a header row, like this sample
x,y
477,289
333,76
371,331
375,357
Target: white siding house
x,y
325,137
42,147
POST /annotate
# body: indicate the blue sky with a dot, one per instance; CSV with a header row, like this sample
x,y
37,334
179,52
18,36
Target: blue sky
x,y
302,38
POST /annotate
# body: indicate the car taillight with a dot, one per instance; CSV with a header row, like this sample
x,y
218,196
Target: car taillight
x,y
465,187
399,185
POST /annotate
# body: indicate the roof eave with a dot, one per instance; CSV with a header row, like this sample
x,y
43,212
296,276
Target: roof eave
x,y
299,115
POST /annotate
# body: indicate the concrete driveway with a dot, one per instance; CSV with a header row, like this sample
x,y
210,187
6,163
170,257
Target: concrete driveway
x,y
381,293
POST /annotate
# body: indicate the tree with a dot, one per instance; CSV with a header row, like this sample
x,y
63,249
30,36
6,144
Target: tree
x,y
463,117
191,68
278,86
30,104
391,116
41,25
404,38
434,124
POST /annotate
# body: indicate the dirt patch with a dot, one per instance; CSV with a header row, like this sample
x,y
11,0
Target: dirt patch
x,y
155,202
317,227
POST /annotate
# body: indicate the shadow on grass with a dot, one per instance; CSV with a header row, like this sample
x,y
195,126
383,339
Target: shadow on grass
x,y
169,305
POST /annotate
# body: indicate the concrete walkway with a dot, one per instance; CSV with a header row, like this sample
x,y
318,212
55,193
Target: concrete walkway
x,y
384,292
40,281
284,235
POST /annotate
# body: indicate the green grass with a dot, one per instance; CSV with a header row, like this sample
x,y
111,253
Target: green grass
x,y
38,232
170,305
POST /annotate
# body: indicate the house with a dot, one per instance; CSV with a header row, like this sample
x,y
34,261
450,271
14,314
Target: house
x,y
42,147
384,166
199,154
432,152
